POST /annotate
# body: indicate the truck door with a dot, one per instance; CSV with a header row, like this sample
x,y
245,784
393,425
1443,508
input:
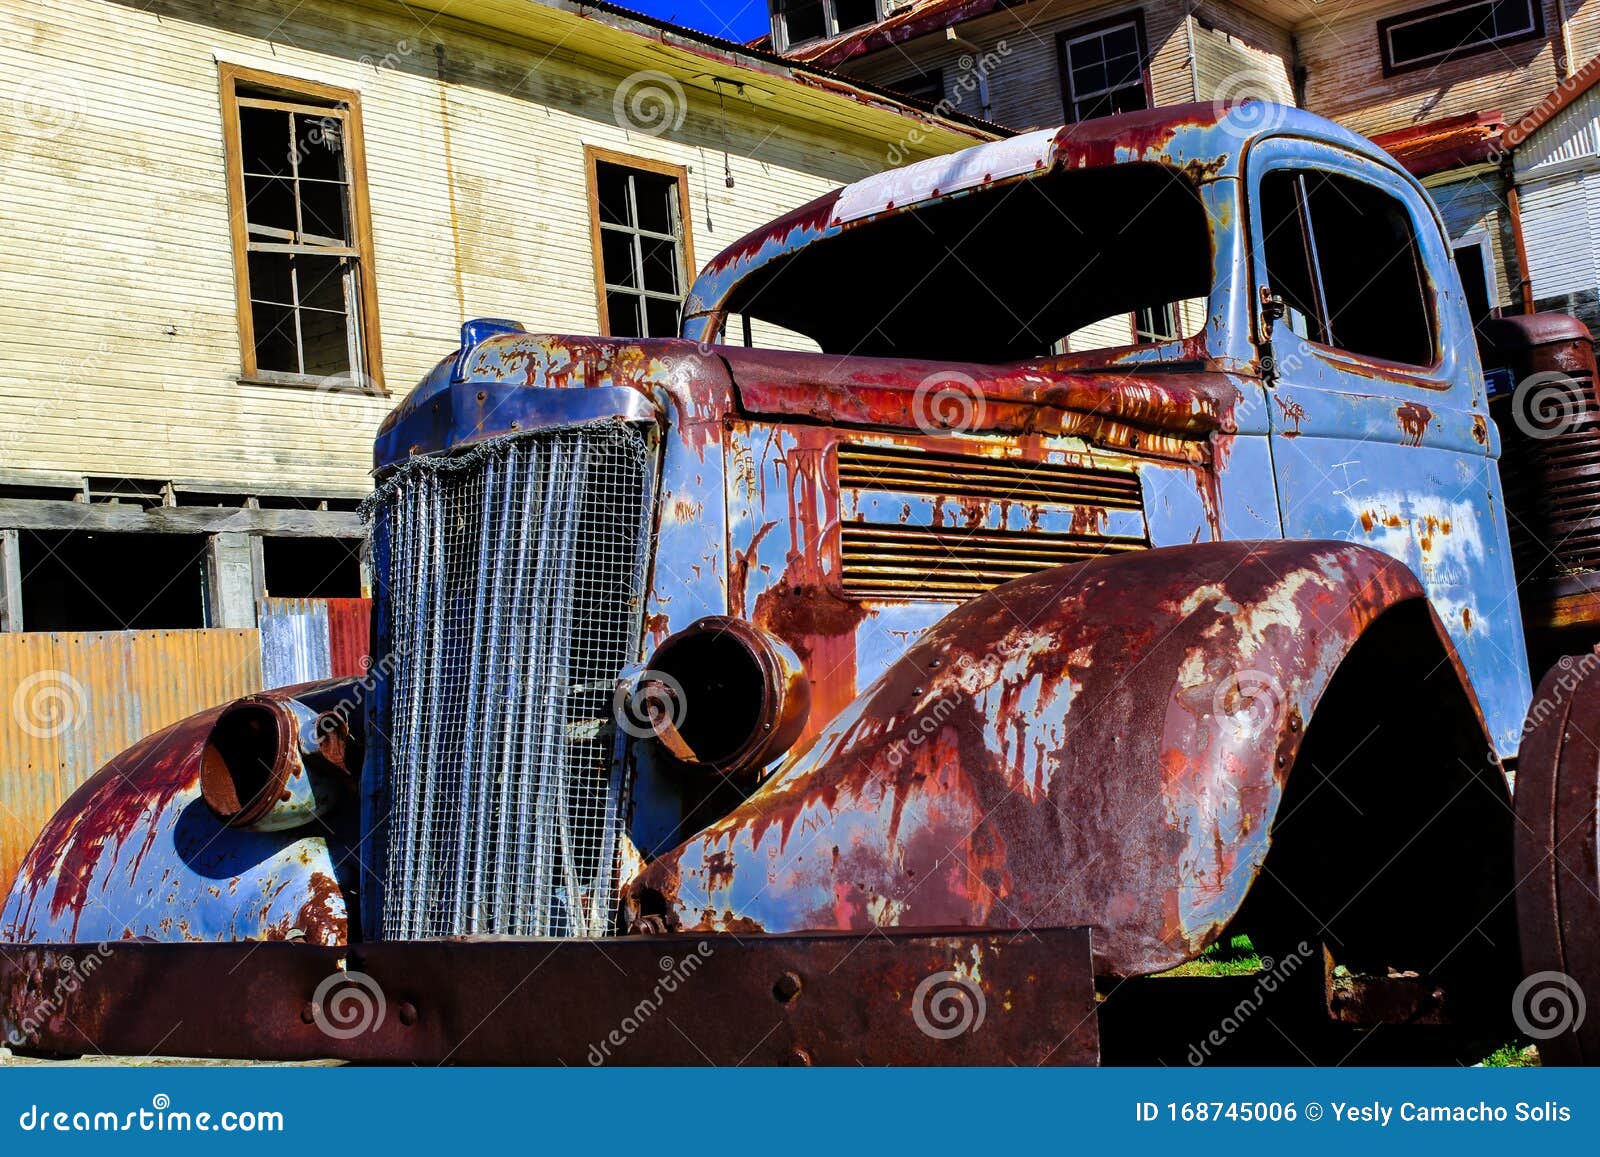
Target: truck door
x,y
1379,426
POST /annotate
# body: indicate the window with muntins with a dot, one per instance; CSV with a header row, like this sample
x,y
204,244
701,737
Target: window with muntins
x,y
1103,70
641,259
301,242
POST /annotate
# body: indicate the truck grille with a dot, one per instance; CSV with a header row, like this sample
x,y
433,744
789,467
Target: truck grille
x,y
949,526
514,586
1552,480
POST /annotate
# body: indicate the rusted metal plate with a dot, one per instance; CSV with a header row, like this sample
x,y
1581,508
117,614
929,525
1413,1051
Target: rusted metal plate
x,y
1558,864
903,998
349,637
73,700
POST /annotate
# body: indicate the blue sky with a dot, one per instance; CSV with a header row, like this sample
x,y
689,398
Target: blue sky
x,y
730,19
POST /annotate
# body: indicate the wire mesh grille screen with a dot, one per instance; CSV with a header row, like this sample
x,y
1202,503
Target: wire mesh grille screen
x,y
516,580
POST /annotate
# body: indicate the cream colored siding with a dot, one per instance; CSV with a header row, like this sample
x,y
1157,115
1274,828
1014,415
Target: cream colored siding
x,y
1239,56
1345,81
119,345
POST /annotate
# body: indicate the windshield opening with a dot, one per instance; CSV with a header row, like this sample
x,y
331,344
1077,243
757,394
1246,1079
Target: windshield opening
x,y
1065,263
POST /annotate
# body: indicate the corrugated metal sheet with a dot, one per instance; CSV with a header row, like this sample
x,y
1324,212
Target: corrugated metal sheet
x,y
349,636
1559,225
306,639
294,641
1572,136
73,700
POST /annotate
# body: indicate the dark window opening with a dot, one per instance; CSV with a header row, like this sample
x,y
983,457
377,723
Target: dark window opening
x,y
312,568
1472,263
1003,273
1448,31
641,250
1103,71
928,86
851,14
795,22
1343,256
78,581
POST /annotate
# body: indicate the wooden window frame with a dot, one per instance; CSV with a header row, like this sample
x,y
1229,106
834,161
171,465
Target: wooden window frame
x,y
593,156
830,22
1386,56
347,104
1134,17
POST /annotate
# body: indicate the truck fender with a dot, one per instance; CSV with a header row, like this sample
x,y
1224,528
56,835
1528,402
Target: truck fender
x,y
1102,744
135,853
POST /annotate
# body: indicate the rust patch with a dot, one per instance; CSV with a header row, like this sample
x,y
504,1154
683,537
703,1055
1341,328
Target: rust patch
x,y
1414,418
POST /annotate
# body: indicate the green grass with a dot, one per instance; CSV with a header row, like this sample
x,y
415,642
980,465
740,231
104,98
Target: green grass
x,y
1233,957
1512,1056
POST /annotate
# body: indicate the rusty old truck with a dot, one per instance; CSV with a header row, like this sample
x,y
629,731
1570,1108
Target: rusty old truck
x,y
1027,574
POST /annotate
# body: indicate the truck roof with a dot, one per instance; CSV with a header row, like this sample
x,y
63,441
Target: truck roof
x,y
1206,141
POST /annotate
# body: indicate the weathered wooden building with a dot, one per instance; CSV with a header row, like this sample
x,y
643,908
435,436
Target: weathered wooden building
x,y
1449,88
236,233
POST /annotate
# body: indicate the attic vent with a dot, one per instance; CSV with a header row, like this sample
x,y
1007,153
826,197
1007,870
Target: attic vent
x,y
947,527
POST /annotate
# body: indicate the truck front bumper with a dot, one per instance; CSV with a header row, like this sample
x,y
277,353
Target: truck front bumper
x,y
971,997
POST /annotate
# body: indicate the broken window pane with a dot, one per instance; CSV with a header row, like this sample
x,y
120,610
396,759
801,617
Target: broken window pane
x,y
303,269
641,250
1104,72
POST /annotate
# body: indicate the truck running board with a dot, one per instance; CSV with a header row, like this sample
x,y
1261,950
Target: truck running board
x,y
970,997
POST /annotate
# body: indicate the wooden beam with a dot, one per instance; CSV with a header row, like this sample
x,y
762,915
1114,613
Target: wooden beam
x,y
230,581
10,582
127,517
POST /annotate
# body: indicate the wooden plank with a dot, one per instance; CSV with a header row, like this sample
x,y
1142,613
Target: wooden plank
x,y
32,514
10,582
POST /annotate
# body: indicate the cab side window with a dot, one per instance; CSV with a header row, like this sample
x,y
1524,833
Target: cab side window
x,y
1343,256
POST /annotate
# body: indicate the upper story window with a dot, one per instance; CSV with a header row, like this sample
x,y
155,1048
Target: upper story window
x,y
302,240
928,86
1104,68
1371,298
641,243
795,22
1446,31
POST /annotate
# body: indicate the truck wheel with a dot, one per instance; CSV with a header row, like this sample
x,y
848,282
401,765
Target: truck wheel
x,y
1557,848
